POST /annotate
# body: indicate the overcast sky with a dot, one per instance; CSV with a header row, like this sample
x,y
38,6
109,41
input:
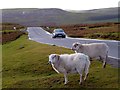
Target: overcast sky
x,y
63,4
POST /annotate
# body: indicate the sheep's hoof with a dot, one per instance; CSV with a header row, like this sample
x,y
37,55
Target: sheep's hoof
x,y
84,79
104,66
80,83
66,82
91,60
53,45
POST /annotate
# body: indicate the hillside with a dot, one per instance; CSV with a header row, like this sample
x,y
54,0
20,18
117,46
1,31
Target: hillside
x,y
54,16
28,68
107,31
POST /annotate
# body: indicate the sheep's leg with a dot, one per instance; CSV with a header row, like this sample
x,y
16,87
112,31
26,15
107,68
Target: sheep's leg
x,y
86,71
66,79
86,75
80,70
104,61
91,59
104,64
80,79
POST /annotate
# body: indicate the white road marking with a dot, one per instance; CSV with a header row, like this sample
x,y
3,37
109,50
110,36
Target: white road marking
x,y
34,39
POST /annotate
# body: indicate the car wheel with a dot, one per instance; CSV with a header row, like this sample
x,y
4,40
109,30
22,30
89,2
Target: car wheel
x,y
53,37
64,37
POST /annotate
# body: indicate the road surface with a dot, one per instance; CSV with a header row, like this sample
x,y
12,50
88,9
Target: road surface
x,y
39,35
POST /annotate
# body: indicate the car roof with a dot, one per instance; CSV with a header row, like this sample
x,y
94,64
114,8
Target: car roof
x,y
59,29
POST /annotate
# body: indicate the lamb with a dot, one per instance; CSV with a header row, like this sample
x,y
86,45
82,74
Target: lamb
x,y
70,63
93,50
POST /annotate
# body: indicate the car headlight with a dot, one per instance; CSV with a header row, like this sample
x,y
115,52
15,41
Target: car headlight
x,y
53,33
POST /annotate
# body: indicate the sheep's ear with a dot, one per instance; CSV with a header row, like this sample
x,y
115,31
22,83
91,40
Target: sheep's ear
x,y
57,56
77,43
80,45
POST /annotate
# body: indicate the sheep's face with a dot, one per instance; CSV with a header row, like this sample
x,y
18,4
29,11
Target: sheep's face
x,y
53,58
76,46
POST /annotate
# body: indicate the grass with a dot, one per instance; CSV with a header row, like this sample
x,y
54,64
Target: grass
x,y
25,65
93,31
108,36
0,66
11,35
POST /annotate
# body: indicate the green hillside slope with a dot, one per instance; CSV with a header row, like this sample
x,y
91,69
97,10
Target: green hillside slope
x,y
28,67
54,16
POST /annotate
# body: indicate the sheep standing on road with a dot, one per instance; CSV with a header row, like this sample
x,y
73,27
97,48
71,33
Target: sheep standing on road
x,y
93,50
70,63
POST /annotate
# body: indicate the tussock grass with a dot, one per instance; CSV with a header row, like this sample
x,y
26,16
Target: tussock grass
x,y
108,31
28,67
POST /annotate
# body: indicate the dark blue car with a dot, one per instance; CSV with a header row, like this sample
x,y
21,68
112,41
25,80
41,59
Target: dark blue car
x,y
58,33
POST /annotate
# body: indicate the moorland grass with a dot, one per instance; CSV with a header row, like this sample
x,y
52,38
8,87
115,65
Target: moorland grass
x,y
25,65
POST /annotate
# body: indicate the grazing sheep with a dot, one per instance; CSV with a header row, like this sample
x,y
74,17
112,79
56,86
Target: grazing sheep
x,y
93,50
70,63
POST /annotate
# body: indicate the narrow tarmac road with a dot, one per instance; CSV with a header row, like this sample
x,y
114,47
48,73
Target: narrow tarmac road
x,y
39,35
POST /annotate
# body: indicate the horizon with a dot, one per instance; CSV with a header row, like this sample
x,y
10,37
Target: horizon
x,y
65,5
59,8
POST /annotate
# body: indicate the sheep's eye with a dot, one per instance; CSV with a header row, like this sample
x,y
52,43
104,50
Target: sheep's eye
x,y
76,45
53,57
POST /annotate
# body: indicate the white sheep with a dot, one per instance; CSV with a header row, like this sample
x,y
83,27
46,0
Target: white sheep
x,y
70,63
93,50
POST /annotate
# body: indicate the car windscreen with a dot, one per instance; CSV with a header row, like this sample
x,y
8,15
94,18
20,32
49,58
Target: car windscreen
x,y
60,30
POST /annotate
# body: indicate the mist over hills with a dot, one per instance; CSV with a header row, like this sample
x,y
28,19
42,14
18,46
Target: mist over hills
x,y
54,16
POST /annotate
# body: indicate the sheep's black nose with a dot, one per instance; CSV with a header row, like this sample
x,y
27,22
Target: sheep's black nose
x,y
49,62
72,49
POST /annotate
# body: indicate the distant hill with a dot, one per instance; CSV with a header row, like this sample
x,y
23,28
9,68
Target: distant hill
x,y
54,16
